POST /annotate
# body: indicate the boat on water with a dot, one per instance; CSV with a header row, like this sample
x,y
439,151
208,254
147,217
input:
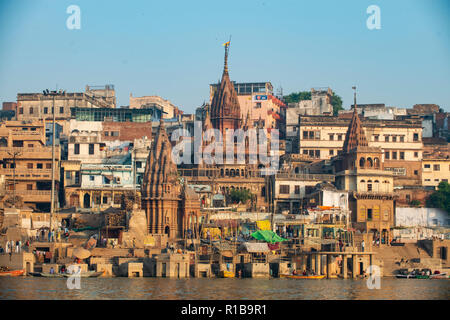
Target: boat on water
x,y
89,274
298,276
11,273
440,276
226,274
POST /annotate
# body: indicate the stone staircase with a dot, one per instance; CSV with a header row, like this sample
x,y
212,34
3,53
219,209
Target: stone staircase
x,y
392,255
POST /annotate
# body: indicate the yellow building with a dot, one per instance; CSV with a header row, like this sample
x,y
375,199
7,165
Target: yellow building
x,y
435,170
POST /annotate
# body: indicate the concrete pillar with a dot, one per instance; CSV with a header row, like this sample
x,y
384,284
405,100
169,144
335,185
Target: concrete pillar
x,y
344,266
318,258
328,266
354,264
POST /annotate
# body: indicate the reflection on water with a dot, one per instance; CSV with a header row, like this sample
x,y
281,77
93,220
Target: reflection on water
x,y
209,289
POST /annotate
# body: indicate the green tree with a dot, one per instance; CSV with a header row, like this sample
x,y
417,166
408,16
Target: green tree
x,y
336,100
240,195
441,197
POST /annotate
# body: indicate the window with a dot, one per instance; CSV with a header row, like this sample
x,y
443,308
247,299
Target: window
x,y
39,166
416,172
48,165
340,137
91,178
394,138
284,189
45,110
30,145
386,138
91,148
394,155
416,154
376,138
61,109
297,189
106,133
331,137
369,187
402,138
68,175
427,166
331,152
305,152
317,153
402,155
258,105
76,148
138,164
369,214
30,166
29,187
436,167
305,134
20,110
31,110
386,155
416,137
114,133
311,153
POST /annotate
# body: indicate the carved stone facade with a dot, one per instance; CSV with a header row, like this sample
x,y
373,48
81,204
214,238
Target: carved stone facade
x,y
166,201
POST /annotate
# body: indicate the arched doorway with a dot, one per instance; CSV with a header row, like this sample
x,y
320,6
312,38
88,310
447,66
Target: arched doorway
x,y
167,230
87,200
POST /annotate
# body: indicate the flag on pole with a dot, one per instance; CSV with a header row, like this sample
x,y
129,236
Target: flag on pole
x,y
227,43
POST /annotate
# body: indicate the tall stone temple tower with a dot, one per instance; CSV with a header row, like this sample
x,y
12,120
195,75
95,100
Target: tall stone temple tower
x,y
359,170
225,109
163,196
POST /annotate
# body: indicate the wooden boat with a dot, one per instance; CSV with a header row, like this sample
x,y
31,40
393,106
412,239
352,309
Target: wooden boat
x,y
226,274
52,275
89,274
12,273
298,276
405,276
439,276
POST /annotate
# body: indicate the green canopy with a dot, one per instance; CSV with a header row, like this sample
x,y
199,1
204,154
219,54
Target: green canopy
x,y
267,236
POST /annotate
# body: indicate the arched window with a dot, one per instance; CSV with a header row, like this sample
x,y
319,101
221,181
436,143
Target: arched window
x,y
369,162
227,173
362,162
376,162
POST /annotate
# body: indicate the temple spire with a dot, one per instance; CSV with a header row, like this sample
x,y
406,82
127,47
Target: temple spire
x,y
355,136
227,47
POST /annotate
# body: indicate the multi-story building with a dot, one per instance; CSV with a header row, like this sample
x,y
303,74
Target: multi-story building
x,y
360,170
169,110
40,106
435,169
400,140
286,191
27,162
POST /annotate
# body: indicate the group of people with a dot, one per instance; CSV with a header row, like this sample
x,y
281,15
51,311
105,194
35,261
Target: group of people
x,y
12,246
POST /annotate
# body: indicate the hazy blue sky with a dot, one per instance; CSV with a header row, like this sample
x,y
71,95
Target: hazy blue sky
x,y
174,48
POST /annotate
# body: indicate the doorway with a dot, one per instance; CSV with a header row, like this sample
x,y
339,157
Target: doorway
x,y
87,200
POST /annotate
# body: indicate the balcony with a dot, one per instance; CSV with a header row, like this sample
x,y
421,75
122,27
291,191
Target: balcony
x,y
306,176
36,195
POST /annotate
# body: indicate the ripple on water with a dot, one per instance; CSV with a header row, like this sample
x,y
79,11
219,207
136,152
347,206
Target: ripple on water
x,y
210,289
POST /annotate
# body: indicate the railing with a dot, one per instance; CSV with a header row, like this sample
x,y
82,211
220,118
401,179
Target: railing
x,y
307,176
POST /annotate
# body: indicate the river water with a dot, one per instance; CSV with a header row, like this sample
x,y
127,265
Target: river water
x,y
210,289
